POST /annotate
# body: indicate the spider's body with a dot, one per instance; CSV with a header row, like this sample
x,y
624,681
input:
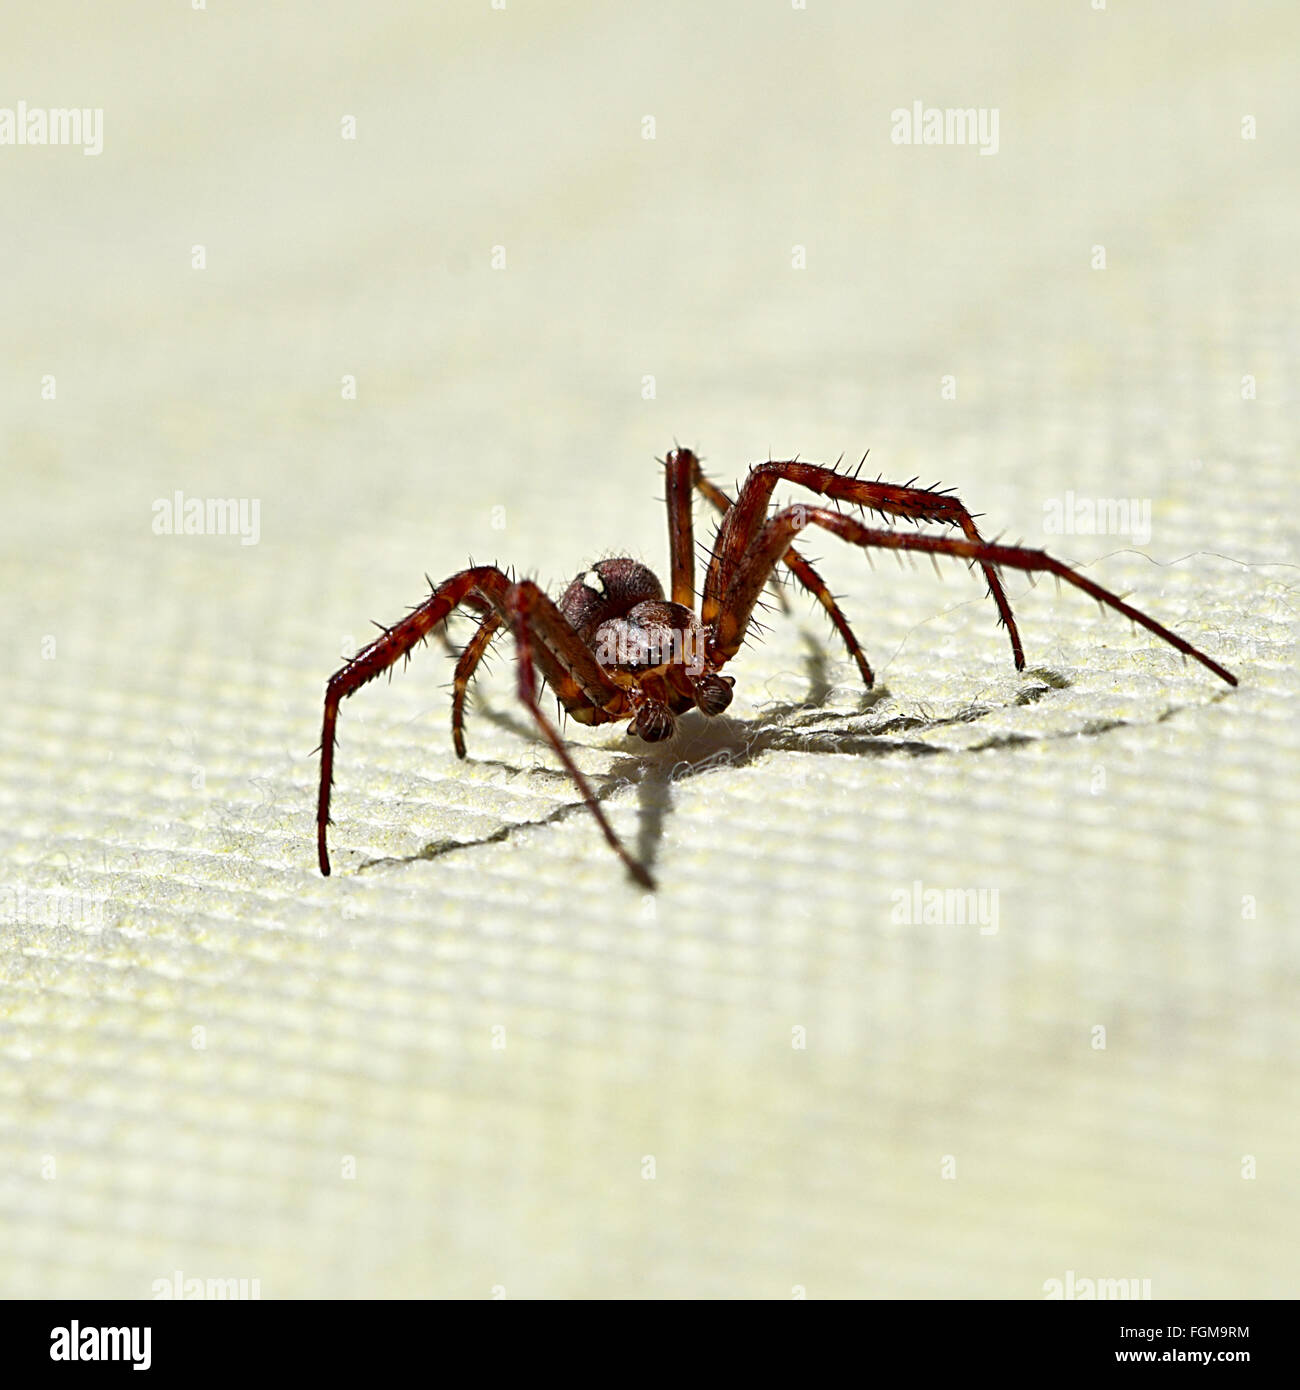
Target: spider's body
x,y
650,647
616,647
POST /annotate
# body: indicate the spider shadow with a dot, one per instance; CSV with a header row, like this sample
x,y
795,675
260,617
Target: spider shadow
x,y
704,745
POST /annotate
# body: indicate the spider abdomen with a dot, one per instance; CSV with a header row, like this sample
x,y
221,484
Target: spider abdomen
x,y
608,589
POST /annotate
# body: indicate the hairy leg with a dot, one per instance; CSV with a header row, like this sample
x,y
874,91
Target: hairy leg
x,y
746,519
805,574
679,470
774,539
466,665
528,621
570,667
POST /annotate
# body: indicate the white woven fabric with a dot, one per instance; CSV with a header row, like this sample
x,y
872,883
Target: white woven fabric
x,y
345,1120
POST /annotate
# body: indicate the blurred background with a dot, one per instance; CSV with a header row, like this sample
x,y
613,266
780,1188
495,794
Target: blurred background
x,y
415,283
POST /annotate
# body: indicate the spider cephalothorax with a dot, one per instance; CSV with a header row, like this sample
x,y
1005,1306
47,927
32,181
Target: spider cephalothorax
x,y
651,647
616,647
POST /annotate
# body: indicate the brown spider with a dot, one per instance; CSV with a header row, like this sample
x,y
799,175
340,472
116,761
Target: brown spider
x,y
614,647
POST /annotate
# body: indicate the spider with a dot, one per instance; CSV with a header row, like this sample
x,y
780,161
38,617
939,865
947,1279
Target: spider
x,y
615,647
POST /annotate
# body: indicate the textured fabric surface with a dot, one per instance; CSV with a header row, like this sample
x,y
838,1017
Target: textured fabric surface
x,y
478,1057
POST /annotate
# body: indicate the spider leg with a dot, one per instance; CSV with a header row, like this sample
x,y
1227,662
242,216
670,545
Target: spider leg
x,y
742,525
571,668
395,643
728,629
816,585
526,607
679,471
685,462
472,601
466,665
